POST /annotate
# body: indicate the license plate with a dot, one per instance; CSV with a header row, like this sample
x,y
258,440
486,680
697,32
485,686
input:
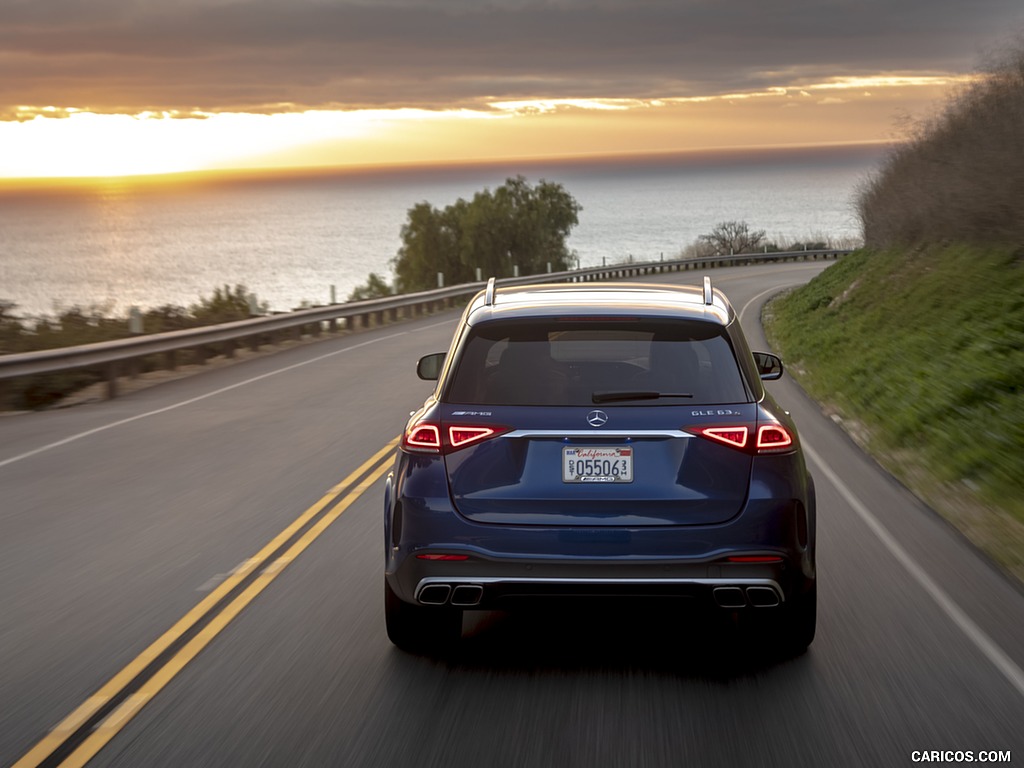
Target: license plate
x,y
603,464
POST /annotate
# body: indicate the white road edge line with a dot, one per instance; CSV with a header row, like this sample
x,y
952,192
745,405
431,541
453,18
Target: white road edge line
x,y
975,634
773,289
183,403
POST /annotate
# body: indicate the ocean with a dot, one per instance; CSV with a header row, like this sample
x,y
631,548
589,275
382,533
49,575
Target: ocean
x,y
289,239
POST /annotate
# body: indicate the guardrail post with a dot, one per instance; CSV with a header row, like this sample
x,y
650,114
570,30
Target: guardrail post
x,y
111,374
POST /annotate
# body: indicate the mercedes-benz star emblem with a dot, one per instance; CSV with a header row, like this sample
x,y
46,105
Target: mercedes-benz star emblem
x,y
597,418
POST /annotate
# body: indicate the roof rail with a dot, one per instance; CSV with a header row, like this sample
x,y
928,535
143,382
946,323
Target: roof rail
x,y
489,293
708,295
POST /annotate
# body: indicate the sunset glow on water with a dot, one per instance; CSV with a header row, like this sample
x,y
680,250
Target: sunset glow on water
x,y
289,238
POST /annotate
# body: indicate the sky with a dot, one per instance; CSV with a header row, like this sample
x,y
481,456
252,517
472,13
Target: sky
x,y
119,87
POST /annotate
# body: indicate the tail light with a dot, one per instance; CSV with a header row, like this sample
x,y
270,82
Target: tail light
x,y
773,438
459,436
734,437
430,437
422,437
769,438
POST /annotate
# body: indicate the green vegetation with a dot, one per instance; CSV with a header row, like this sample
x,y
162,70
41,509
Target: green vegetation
x,y
517,225
918,341
375,287
928,352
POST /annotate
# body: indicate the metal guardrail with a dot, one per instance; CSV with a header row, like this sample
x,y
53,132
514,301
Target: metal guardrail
x,y
117,357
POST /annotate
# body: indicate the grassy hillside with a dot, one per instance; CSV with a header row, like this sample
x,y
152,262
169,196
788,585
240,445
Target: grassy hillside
x,y
921,352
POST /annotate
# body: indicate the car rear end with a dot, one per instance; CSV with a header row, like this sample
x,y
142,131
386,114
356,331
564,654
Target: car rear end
x,y
609,442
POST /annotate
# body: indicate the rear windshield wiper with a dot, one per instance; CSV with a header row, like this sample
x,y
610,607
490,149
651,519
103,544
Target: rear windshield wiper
x,y
611,397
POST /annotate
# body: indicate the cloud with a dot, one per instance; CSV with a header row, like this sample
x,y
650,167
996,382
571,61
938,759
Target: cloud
x,y
200,56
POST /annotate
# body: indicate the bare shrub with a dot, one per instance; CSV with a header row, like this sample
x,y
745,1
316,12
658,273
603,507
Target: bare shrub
x,y
959,176
732,237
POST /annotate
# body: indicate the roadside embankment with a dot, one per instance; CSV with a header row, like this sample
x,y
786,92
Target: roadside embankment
x,y
920,355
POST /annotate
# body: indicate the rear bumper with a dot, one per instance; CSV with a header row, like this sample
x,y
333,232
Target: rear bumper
x,y
501,565
498,583
494,592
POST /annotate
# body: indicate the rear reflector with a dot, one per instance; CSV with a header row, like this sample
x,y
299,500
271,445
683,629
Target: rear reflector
x,y
754,559
442,557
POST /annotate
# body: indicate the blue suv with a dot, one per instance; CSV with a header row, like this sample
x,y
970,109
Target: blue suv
x,y
608,441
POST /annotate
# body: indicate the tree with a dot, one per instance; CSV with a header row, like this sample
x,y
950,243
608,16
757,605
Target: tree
x,y
375,287
430,244
516,225
732,237
223,306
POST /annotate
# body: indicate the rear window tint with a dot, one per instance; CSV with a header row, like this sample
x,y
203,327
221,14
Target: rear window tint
x,y
561,362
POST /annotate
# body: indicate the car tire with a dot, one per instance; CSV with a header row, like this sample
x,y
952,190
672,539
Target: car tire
x,y
797,623
420,629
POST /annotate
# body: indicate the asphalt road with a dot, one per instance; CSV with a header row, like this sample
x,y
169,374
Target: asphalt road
x,y
118,518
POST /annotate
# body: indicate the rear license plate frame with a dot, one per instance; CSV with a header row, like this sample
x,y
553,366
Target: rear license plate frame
x,y
606,464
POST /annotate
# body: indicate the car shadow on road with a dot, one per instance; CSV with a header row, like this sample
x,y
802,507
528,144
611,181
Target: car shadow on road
x,y
709,645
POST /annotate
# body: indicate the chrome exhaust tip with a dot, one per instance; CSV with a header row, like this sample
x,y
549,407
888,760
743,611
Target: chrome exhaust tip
x,y
467,594
763,597
729,597
435,594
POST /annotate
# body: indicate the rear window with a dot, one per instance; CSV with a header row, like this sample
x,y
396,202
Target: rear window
x,y
565,362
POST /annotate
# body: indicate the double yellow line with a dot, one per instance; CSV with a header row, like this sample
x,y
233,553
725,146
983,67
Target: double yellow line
x,y
130,702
